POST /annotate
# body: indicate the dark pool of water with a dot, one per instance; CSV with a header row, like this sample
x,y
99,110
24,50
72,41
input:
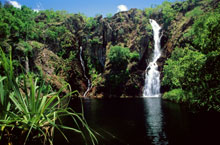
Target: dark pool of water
x,y
146,121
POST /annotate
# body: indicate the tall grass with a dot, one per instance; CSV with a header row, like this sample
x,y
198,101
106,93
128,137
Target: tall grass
x,y
31,112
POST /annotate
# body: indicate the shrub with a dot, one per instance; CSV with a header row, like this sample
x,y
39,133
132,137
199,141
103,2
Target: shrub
x,y
177,95
119,56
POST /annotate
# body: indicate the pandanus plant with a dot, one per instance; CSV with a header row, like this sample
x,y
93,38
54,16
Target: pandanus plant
x,y
30,111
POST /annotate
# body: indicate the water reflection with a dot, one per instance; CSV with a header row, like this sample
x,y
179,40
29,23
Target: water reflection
x,y
154,121
144,121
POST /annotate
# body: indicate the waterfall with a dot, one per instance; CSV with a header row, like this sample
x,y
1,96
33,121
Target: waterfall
x,y
152,75
84,73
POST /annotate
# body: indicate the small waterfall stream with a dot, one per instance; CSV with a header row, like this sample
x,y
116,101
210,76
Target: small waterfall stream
x,y
84,73
152,75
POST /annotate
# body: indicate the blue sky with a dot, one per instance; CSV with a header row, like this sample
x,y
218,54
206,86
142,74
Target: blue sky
x,y
87,7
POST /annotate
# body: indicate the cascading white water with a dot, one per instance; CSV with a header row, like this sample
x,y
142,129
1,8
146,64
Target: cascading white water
x,y
84,73
152,75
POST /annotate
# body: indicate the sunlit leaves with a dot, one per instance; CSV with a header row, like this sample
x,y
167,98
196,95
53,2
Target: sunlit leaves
x,y
181,70
206,32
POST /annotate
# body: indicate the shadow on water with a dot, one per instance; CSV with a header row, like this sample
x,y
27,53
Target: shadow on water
x,y
145,121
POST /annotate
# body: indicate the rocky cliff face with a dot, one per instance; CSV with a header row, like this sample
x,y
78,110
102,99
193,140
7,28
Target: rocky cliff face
x,y
59,59
128,29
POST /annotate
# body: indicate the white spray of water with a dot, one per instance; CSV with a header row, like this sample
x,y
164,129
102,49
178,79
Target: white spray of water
x,y
152,75
84,73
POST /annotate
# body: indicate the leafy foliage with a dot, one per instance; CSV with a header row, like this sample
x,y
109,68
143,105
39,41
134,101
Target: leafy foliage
x,y
195,12
29,106
4,30
182,69
206,32
134,56
149,11
91,23
196,68
119,58
177,95
168,12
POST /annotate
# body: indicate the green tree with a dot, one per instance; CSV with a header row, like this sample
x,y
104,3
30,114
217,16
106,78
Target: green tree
x,y
206,31
119,57
182,69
